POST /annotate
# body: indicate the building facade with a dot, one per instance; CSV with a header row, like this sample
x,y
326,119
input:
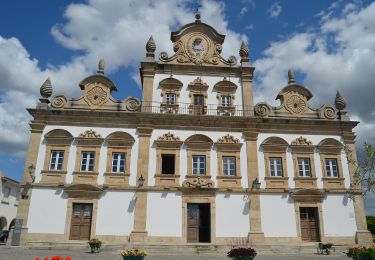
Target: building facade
x,y
193,161
9,198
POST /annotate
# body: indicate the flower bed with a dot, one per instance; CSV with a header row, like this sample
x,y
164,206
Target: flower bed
x,y
242,253
361,253
133,254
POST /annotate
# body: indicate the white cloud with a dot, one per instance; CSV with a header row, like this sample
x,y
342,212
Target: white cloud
x,y
275,10
243,11
114,30
340,55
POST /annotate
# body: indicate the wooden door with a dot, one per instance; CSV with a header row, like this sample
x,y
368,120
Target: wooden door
x,y
192,223
80,227
309,224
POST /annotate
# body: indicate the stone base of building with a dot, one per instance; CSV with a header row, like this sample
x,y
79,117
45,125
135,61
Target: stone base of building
x,y
363,237
256,237
138,236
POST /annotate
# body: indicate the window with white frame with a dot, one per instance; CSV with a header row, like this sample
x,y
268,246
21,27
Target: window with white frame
x,y
276,166
331,168
229,166
118,162
199,165
304,169
57,158
87,162
171,98
226,101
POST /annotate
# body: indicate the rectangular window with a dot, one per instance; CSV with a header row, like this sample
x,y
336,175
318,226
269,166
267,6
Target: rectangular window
x,y
199,165
276,167
331,168
304,169
87,162
226,101
229,166
167,163
171,98
57,158
118,162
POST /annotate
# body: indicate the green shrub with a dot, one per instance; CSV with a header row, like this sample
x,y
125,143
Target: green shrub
x,y
371,224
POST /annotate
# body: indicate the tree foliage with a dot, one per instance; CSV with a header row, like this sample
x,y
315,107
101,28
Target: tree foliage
x,y
364,175
371,224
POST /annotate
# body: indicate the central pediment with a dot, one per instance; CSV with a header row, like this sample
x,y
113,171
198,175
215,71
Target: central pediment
x,y
197,43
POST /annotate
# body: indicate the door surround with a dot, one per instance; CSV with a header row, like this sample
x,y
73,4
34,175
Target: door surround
x,y
69,212
318,205
199,197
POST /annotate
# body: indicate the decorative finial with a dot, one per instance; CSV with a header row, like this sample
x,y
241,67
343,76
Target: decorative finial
x,y
46,89
291,76
197,16
101,66
340,103
45,92
150,45
244,51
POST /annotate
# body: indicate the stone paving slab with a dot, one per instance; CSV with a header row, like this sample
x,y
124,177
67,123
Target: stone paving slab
x,y
19,253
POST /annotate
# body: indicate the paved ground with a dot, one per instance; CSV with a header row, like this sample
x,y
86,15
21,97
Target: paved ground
x,y
7,253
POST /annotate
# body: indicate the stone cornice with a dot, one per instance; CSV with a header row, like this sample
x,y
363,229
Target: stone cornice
x,y
89,118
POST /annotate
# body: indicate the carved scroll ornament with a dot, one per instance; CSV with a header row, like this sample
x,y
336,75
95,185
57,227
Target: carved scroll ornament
x,y
198,182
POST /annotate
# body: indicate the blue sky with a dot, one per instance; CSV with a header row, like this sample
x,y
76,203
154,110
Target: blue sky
x,y
331,45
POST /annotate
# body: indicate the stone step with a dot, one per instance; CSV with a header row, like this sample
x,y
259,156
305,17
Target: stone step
x,y
189,249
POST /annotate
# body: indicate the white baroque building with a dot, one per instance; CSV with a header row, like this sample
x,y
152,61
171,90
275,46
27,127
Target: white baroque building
x,y
193,161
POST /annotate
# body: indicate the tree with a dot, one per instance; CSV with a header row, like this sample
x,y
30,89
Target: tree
x,y
364,175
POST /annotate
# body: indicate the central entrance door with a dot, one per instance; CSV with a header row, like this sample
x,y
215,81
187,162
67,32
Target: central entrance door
x,y
198,223
81,221
309,224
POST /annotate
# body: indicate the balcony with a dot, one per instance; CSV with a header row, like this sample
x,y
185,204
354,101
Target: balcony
x,y
190,109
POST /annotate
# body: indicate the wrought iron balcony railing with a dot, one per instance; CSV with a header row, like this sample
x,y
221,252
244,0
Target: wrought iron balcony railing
x,y
190,109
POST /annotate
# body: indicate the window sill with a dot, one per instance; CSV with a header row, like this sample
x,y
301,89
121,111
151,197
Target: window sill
x,y
274,182
333,182
305,182
167,180
116,178
53,176
229,181
85,177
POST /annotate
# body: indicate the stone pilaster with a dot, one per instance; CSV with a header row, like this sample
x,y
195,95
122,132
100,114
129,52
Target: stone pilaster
x,y
362,236
26,186
148,74
139,233
247,89
255,235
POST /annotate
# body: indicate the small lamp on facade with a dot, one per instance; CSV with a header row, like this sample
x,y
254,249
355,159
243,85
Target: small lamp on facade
x,y
31,172
256,184
141,181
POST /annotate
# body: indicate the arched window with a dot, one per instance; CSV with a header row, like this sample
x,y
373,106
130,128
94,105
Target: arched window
x,y
118,158
170,92
198,153
330,157
57,154
274,149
